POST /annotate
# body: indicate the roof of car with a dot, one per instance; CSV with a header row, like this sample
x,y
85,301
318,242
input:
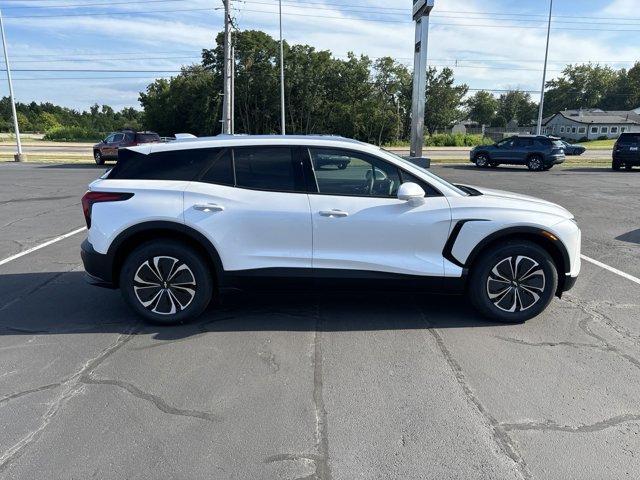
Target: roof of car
x,y
248,140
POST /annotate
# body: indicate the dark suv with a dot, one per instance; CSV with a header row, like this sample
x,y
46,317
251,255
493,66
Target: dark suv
x,y
537,152
107,149
626,151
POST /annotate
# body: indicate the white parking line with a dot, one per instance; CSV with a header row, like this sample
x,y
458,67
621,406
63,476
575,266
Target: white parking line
x,y
611,269
42,245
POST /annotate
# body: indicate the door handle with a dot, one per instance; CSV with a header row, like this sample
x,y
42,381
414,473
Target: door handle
x,y
333,213
208,207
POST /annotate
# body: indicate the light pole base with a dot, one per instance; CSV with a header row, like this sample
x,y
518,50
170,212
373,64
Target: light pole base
x,y
20,157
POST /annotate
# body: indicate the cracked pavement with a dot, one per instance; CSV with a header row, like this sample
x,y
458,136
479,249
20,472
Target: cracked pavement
x,y
355,386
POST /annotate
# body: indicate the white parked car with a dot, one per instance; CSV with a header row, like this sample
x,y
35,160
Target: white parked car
x,y
175,224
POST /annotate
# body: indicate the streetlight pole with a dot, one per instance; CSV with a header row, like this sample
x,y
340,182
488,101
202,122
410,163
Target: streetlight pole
x,y
282,111
226,105
18,157
421,11
544,73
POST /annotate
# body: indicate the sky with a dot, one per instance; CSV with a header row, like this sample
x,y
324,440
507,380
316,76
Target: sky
x,y
490,44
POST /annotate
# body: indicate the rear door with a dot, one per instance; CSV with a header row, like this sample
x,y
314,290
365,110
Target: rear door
x,y
252,204
522,147
360,225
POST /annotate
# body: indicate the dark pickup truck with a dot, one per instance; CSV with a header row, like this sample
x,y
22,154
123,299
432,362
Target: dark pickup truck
x,y
626,151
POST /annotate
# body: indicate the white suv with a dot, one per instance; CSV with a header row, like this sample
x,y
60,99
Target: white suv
x,y
176,224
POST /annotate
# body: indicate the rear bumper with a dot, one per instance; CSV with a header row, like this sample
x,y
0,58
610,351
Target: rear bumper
x,y
626,159
98,266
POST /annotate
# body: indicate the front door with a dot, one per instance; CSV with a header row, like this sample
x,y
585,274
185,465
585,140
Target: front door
x,y
254,209
360,225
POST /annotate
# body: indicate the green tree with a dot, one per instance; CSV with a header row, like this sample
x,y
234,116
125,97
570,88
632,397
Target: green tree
x,y
443,100
482,107
581,86
517,105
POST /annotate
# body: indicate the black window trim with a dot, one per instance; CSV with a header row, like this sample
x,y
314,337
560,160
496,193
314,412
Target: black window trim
x,y
401,171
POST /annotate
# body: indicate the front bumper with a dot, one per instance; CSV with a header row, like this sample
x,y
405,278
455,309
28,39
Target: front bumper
x,y
568,283
555,159
98,266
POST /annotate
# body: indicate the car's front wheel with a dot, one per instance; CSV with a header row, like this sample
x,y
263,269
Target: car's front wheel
x,y
166,282
98,158
513,281
482,160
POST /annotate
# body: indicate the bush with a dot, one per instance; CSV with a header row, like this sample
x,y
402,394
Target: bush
x,y
72,134
603,137
456,140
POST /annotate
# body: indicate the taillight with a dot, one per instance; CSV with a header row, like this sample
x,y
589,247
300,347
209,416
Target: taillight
x,y
89,198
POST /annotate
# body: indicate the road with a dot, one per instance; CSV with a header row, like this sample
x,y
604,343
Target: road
x,y
317,386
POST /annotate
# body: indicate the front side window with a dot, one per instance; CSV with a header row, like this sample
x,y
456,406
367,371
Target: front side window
x,y
506,143
524,142
118,137
342,172
268,168
110,138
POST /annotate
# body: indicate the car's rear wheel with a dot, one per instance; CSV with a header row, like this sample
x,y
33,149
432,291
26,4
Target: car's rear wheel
x,y
513,281
166,282
97,156
628,167
615,165
535,163
482,160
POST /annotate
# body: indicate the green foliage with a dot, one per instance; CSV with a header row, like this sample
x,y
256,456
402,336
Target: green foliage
x,y
517,105
593,86
72,134
456,140
46,117
443,100
482,107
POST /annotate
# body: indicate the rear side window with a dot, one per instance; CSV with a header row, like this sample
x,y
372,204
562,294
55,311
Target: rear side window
x,y
147,137
268,168
184,165
220,170
629,139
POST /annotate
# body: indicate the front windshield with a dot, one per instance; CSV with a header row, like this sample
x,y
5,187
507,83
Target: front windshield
x,y
426,172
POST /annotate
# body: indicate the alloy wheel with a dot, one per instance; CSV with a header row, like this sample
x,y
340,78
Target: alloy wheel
x,y
516,283
535,164
164,285
482,161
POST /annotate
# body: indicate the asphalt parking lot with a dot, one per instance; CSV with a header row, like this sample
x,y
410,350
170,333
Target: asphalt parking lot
x,y
317,386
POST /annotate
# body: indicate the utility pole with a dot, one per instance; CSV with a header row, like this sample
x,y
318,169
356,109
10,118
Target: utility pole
x,y
544,73
19,156
226,105
233,89
282,112
421,11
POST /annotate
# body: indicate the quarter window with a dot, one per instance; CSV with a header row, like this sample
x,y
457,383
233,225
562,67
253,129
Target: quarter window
x,y
341,172
183,165
268,168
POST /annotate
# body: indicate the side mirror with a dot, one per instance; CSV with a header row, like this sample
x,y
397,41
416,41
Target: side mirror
x,y
411,193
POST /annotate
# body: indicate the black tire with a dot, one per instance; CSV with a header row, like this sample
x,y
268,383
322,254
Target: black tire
x,y
493,164
482,160
628,167
535,163
492,270
98,158
615,165
171,302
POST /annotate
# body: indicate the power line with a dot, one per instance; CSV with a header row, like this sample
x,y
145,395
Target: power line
x,y
130,12
84,5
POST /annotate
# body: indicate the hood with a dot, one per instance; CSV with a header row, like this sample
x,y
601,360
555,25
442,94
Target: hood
x,y
527,201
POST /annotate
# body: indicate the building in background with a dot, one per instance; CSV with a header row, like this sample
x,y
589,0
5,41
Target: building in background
x,y
591,124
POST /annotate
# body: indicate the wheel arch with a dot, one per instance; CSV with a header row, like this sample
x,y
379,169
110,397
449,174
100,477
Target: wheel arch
x,y
136,235
546,240
482,152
